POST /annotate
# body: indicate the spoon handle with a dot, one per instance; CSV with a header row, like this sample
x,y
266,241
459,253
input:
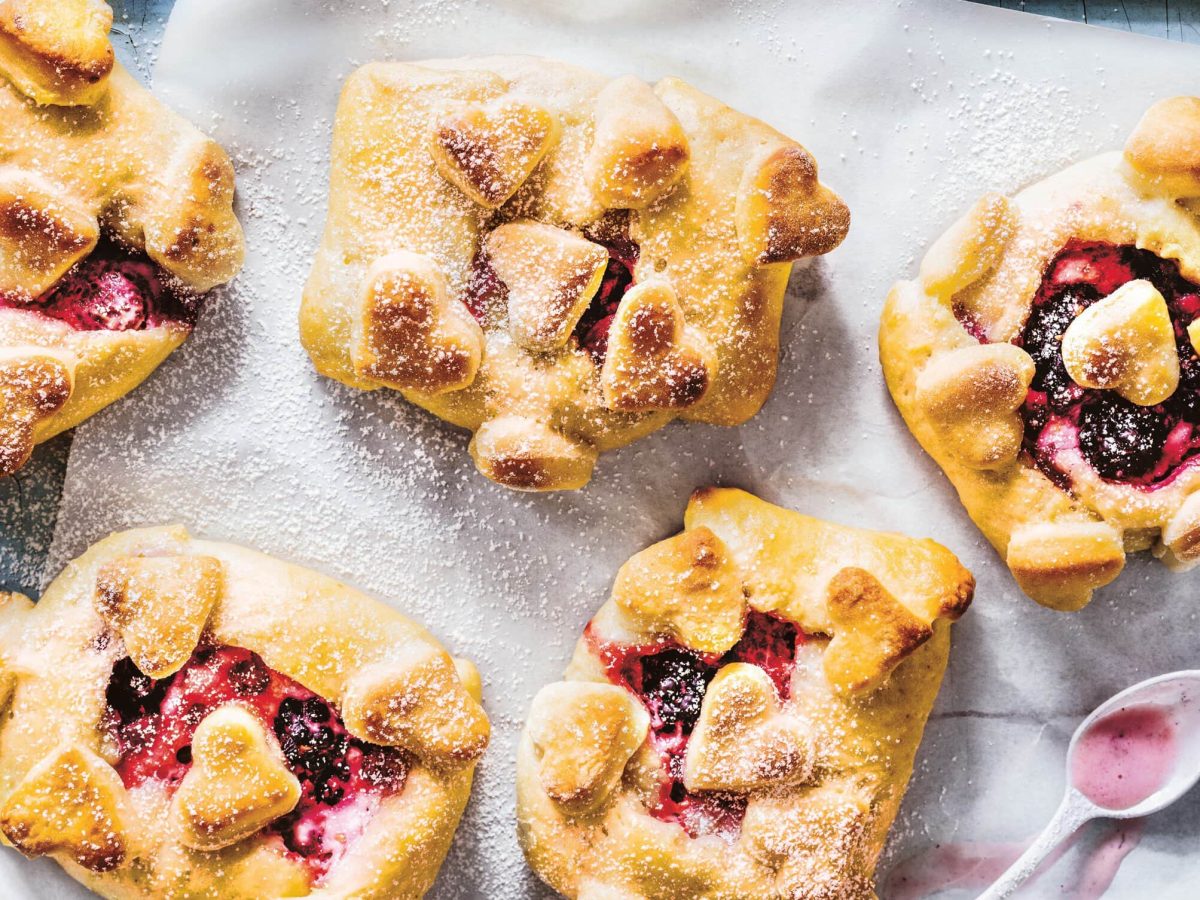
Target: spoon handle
x,y
1072,812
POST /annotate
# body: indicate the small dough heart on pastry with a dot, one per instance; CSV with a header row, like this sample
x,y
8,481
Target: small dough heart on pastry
x,y
159,605
654,360
488,151
33,387
583,735
742,742
42,233
972,396
639,150
69,803
1059,564
1125,343
970,248
686,587
57,52
872,631
1165,146
527,455
409,333
237,783
551,274
1180,541
783,212
416,701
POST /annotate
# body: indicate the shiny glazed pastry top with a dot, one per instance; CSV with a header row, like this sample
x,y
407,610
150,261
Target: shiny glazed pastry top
x,y
184,718
1046,357
740,718
560,262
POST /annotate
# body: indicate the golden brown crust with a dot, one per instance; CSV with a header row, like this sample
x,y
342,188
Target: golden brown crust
x,y
69,804
159,606
411,335
34,386
1164,149
959,395
107,158
822,771
59,793
530,163
237,784
57,51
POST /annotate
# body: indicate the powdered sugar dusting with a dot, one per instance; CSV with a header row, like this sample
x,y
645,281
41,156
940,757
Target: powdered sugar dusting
x,y
237,436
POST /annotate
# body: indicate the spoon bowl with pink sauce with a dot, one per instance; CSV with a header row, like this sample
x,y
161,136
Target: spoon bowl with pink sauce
x,y
1136,754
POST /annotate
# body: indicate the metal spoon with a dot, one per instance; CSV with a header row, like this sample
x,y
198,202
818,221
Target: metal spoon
x,y
1177,696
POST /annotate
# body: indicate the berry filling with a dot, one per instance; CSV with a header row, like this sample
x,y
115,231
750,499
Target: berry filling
x,y
110,290
671,681
593,327
342,778
486,296
1145,447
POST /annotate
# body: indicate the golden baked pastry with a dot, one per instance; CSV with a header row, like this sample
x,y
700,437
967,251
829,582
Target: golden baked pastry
x,y
1046,358
115,215
740,718
559,262
192,719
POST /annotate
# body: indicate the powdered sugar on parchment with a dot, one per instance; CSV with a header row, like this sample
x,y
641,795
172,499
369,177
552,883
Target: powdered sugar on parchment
x,y
911,110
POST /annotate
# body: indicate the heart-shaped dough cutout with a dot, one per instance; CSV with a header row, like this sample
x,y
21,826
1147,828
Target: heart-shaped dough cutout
x,y
970,248
872,631
1125,343
237,784
685,587
41,233
783,211
488,152
972,396
69,803
742,742
57,52
583,735
416,701
1059,564
34,385
551,275
525,454
639,150
410,334
654,360
1165,147
159,605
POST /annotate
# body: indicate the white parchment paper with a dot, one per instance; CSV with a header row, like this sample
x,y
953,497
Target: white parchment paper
x,y
913,108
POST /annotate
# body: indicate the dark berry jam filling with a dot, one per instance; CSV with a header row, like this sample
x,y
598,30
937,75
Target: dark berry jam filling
x,y
594,324
111,290
342,778
486,296
671,681
1142,446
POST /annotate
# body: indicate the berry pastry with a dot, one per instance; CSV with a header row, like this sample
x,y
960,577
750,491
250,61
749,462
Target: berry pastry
x,y
193,719
115,216
1046,357
740,718
559,262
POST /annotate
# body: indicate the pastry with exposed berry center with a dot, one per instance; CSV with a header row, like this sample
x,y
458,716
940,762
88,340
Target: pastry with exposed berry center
x,y
1046,357
559,262
116,215
740,718
192,719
